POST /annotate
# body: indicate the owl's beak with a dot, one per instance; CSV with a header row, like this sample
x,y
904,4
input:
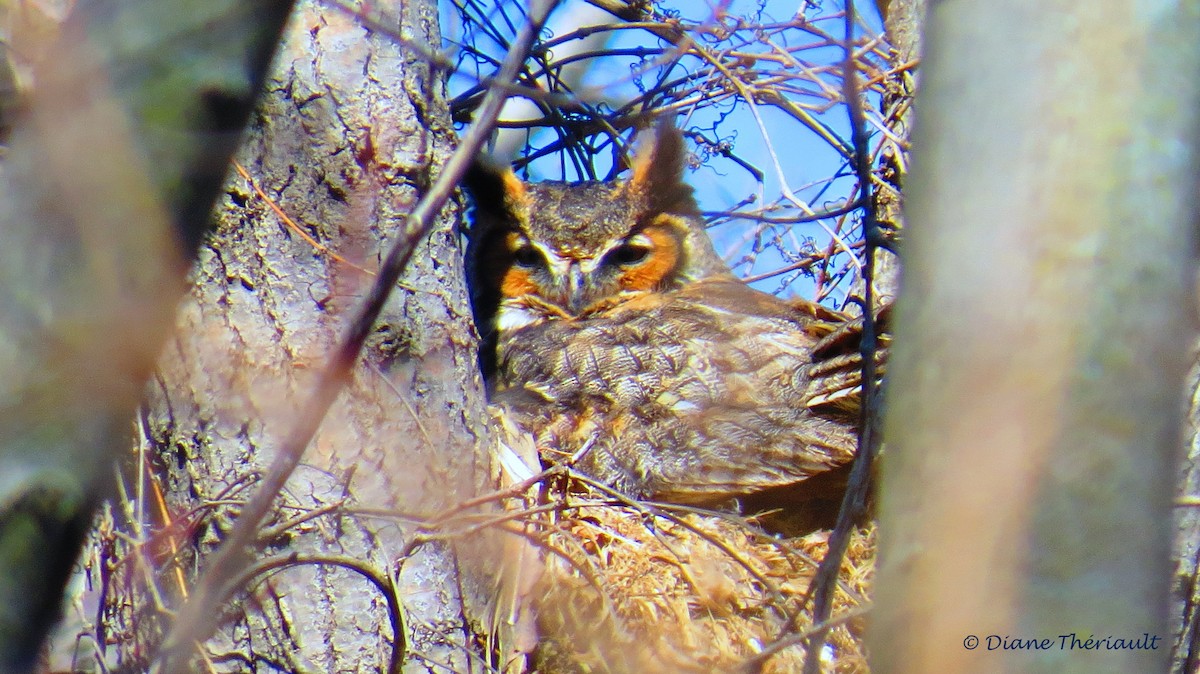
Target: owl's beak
x,y
577,295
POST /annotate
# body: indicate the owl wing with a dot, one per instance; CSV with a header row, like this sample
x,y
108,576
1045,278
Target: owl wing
x,y
694,395
836,374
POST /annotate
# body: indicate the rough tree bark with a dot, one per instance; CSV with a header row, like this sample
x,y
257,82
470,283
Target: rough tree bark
x,y
1185,599
1034,412
352,127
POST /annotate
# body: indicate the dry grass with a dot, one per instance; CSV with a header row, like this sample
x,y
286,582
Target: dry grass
x,y
627,589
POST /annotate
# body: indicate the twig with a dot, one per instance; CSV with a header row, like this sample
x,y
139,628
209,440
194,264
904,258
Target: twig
x,y
291,224
382,582
755,662
854,500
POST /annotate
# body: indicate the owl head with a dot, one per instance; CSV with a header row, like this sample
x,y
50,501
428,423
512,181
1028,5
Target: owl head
x,y
540,251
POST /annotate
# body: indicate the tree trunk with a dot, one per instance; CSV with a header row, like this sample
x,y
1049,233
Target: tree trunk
x,y
1033,422
1185,600
352,127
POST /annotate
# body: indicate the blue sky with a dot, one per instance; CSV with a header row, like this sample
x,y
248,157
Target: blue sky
x,y
801,160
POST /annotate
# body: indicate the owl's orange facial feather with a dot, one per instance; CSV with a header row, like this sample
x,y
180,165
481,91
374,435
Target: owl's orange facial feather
x,y
516,283
515,194
521,261
663,242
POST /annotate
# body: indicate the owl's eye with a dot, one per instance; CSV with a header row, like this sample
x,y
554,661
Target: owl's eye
x,y
527,256
627,254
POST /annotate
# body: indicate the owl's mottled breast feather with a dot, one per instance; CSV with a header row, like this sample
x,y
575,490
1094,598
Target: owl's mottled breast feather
x,y
693,378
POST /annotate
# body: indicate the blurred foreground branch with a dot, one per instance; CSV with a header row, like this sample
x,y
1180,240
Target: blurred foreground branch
x,y
108,181
1034,403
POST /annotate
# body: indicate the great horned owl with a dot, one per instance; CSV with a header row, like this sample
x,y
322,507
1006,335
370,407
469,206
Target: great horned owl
x,y
616,337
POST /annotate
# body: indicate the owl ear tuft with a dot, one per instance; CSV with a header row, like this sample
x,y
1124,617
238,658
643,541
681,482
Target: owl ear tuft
x,y
658,170
494,187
